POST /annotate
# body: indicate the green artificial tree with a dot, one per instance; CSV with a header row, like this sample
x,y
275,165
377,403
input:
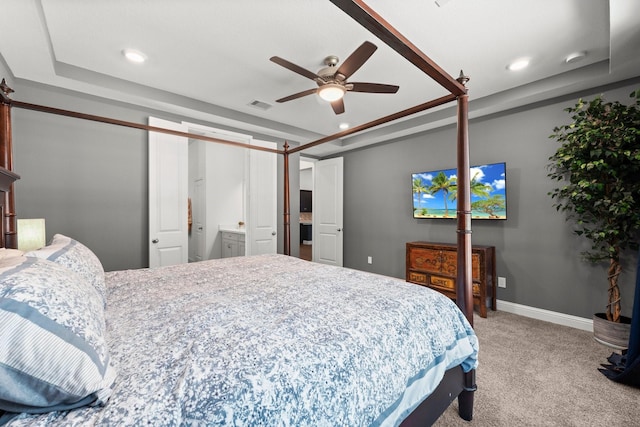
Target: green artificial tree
x,y
598,167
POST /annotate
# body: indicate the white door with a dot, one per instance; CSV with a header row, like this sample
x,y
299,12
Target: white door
x,y
263,178
168,195
327,211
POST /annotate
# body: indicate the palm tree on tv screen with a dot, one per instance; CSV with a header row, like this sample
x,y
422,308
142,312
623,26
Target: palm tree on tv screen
x,y
419,189
441,183
477,188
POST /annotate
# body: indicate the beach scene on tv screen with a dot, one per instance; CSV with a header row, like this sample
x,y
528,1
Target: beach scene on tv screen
x,y
434,192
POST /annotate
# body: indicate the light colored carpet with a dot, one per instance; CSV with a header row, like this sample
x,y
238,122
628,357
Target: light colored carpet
x,y
534,373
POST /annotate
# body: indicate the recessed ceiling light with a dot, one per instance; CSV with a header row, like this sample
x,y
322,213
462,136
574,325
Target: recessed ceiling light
x,y
518,64
575,57
344,126
134,56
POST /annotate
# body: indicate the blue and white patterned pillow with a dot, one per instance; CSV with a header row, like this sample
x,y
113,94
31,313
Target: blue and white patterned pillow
x,y
74,255
53,350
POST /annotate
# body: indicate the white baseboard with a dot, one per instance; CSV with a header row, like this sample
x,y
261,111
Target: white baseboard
x,y
546,315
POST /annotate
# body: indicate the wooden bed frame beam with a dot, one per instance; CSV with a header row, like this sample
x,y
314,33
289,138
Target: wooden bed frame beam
x,y
377,25
382,29
100,119
413,110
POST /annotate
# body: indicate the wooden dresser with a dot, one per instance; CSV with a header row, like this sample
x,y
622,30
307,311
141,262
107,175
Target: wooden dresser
x,y
435,265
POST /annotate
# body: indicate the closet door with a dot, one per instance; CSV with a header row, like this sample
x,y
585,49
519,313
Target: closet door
x,y
168,195
261,233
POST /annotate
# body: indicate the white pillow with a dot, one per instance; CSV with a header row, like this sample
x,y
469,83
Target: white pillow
x,y
53,351
74,255
8,253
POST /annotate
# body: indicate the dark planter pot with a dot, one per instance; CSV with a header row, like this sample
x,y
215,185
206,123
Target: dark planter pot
x,y
612,334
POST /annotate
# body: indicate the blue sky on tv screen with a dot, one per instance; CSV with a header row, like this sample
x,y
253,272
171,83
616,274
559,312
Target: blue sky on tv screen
x,y
492,175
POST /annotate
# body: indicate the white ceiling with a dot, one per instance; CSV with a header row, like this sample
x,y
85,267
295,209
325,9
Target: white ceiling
x,y
209,60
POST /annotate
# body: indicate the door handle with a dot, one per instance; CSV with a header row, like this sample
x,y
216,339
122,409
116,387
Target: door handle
x,y
273,233
339,229
155,241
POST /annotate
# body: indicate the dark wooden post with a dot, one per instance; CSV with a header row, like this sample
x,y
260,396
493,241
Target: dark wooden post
x,y
6,161
287,203
464,284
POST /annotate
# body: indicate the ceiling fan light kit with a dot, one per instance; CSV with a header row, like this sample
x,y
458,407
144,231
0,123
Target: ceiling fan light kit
x,y
331,91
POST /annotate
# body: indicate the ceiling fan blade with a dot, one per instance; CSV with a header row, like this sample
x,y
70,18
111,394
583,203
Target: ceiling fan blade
x,y
295,68
297,95
338,106
357,58
373,88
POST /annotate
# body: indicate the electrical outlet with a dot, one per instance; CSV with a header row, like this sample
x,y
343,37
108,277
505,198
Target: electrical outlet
x,y
369,260
502,282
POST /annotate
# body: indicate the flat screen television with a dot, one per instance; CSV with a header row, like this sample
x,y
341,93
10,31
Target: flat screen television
x,y
434,192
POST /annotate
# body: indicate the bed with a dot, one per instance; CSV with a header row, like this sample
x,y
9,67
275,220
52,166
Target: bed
x,y
258,340
228,311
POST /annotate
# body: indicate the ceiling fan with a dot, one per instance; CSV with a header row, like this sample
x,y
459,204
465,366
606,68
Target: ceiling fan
x,y
332,80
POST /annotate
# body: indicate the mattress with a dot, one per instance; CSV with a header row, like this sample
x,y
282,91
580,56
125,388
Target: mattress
x,y
270,340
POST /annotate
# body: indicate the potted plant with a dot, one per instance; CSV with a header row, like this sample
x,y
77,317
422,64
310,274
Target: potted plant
x,y
598,168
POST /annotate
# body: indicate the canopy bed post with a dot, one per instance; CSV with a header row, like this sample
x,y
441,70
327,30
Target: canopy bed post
x,y
287,203
10,235
464,282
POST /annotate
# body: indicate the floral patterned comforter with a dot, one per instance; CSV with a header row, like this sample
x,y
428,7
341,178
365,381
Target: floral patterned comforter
x,y
271,340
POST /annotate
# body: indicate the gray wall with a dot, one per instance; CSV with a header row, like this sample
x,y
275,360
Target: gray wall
x,y
536,251
89,181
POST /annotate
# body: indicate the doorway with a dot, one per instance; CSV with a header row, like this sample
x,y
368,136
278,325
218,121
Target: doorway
x,y
306,209
233,196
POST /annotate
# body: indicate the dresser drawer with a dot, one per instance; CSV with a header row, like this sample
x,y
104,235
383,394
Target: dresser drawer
x,y
417,277
441,261
442,282
425,260
434,260
238,237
